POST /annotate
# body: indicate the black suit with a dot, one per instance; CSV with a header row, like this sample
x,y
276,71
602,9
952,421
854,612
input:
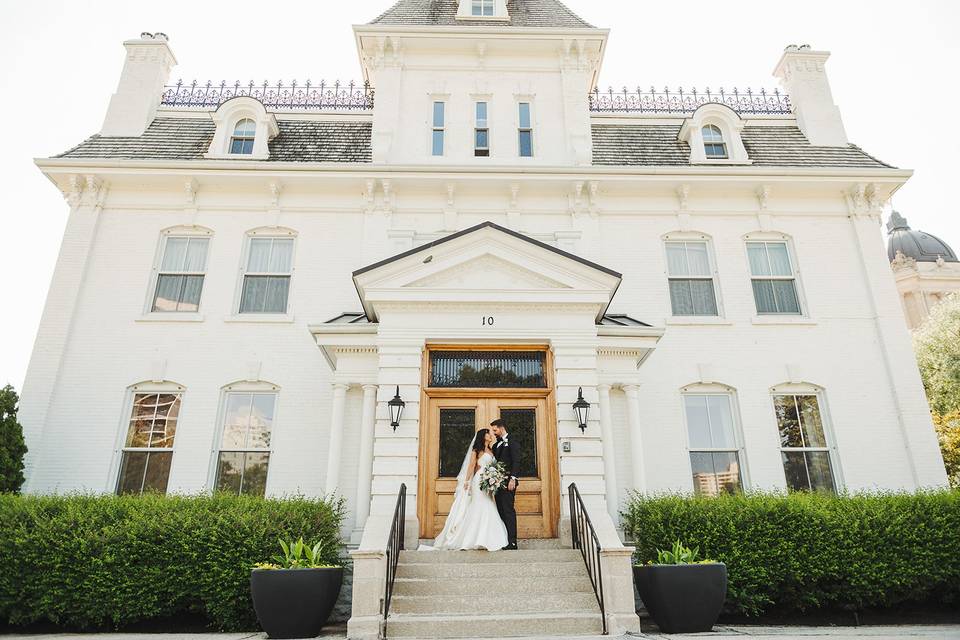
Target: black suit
x,y
503,452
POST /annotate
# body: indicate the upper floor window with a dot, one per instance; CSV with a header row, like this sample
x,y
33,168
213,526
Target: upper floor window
x,y
439,118
481,132
266,279
803,442
525,130
244,135
713,145
481,7
714,453
148,447
244,453
690,275
180,278
773,278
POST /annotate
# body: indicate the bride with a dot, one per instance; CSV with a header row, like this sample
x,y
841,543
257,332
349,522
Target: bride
x,y
473,522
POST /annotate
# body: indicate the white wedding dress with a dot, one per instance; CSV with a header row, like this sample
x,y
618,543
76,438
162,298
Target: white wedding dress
x,y
473,522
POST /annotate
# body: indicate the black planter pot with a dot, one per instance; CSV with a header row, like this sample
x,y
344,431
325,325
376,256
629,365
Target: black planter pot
x,y
294,603
682,598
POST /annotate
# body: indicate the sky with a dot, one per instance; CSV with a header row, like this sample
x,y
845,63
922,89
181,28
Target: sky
x,y
892,71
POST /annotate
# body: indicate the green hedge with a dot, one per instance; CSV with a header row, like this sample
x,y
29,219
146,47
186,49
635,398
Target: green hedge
x,y
108,561
788,553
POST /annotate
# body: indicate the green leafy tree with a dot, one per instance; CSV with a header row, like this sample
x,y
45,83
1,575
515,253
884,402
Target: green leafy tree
x,y
937,345
948,432
12,446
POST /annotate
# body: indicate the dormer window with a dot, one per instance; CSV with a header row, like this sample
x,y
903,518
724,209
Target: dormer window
x,y
481,8
244,135
713,145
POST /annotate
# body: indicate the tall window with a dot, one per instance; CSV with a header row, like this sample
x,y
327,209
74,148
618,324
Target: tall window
x,y
773,278
713,145
482,8
692,291
266,280
180,280
803,443
244,134
148,448
525,131
245,444
481,132
714,454
438,127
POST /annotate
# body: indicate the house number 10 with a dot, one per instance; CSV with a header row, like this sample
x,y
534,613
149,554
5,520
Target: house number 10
x,y
488,321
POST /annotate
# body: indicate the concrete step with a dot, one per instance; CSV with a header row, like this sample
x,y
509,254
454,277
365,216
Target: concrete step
x,y
519,557
580,602
531,543
493,625
498,588
502,570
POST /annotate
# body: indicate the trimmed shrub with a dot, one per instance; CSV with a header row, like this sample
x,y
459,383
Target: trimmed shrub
x,y
12,446
107,561
789,553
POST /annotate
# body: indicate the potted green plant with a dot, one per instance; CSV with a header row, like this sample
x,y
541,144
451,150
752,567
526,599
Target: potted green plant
x,y
682,593
294,595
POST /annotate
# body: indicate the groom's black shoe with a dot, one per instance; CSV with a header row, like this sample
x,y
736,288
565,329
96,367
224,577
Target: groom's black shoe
x,y
510,547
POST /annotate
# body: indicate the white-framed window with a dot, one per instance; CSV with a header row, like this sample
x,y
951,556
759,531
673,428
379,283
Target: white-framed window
x,y
524,130
481,131
183,265
715,453
266,276
243,454
804,448
244,135
481,7
773,277
439,123
691,278
148,445
713,145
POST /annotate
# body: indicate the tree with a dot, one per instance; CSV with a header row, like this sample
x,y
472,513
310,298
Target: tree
x,y
937,346
12,446
948,432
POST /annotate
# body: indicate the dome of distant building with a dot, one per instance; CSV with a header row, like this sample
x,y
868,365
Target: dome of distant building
x,y
919,245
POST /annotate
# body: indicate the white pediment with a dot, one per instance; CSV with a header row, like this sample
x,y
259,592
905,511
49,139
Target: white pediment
x,y
487,272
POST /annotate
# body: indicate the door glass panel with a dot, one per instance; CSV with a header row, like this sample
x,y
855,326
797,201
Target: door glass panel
x,y
457,429
522,431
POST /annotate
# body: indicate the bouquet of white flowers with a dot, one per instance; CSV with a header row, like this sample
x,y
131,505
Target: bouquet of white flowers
x,y
493,477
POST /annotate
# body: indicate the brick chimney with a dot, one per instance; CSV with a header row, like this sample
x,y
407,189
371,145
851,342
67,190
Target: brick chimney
x,y
145,72
801,72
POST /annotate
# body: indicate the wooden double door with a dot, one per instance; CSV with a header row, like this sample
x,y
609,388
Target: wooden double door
x,y
451,422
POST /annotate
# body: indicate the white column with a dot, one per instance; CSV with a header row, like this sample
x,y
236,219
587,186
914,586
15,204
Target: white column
x,y
636,438
365,468
609,451
335,452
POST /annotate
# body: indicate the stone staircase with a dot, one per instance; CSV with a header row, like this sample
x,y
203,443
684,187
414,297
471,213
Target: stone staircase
x,y
539,590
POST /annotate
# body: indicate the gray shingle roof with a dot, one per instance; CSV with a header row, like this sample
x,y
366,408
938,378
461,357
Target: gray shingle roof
x,y
766,146
189,139
523,13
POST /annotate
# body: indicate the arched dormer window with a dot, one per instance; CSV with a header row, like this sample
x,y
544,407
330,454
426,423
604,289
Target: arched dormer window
x,y
244,135
713,145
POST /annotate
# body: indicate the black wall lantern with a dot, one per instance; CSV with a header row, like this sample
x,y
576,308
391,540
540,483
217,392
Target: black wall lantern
x,y
396,409
582,408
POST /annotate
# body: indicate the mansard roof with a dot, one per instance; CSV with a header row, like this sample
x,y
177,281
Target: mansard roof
x,y
523,13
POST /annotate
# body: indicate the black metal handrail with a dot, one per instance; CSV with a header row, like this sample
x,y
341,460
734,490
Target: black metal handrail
x,y
585,538
394,546
337,96
683,101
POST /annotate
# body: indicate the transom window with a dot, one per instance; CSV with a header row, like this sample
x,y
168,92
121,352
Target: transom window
x,y
487,369
714,454
266,280
481,132
244,454
525,130
773,278
692,288
803,443
244,134
713,145
180,280
148,448
481,8
439,118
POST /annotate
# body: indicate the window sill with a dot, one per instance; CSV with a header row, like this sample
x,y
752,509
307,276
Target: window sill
x,y
783,320
697,320
265,318
171,316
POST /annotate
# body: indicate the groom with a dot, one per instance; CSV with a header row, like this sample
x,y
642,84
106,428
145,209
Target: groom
x,y
504,453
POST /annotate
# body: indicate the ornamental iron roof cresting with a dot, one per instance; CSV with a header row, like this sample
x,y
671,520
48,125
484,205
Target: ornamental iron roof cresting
x,y
680,101
350,96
